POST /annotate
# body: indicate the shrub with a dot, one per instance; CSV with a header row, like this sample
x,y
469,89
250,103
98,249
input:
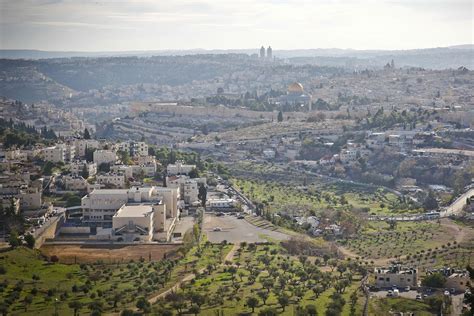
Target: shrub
x,y
436,280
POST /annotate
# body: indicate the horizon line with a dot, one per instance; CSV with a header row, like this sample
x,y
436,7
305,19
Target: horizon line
x,y
227,49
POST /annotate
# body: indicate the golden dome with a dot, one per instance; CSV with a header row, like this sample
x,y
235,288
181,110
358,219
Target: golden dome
x,y
295,87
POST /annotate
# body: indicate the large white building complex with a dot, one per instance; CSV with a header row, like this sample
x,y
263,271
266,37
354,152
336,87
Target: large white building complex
x,y
118,208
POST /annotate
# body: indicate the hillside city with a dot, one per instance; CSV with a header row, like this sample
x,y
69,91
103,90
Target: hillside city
x,y
237,184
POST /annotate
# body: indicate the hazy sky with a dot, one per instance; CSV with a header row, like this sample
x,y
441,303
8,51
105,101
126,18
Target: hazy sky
x,y
114,25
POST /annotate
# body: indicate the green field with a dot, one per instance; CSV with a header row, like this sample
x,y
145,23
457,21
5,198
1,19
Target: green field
x,y
30,285
312,199
420,243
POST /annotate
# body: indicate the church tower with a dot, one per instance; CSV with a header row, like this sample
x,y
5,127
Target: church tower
x,y
262,52
269,53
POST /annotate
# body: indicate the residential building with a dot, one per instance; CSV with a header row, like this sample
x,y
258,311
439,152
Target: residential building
x,y
188,187
114,180
348,155
375,140
135,149
77,167
31,198
179,168
139,149
83,144
224,204
396,275
455,279
269,154
54,154
104,156
75,183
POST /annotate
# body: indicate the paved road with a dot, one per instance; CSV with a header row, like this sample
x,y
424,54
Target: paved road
x,y
457,206
236,230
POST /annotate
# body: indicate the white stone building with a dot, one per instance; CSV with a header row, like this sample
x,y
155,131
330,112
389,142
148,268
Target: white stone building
x,y
77,167
179,169
59,153
82,144
348,155
188,187
75,183
111,179
221,203
135,149
104,156
142,222
396,276
99,206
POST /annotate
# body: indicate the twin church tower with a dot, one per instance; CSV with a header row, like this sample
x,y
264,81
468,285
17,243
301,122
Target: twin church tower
x,y
269,53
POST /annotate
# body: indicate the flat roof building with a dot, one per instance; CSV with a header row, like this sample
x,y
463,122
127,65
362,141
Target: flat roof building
x,y
396,275
142,222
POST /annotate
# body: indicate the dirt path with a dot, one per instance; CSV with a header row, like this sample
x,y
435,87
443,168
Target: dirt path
x,y
230,254
348,253
174,288
459,233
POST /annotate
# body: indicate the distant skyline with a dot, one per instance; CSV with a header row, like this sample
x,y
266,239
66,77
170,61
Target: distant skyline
x,y
114,25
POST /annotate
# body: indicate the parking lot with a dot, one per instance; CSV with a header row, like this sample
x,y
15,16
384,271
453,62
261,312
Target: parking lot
x,y
236,230
407,294
457,298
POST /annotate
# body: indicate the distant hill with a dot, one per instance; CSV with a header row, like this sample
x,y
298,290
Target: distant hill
x,y
31,76
328,52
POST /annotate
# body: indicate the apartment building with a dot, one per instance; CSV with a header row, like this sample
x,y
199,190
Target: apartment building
x,y
77,167
111,180
59,153
83,144
188,187
104,156
75,183
133,148
179,168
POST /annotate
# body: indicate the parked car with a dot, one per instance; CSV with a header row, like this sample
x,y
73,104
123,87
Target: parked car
x,y
390,293
446,293
408,288
217,229
418,297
